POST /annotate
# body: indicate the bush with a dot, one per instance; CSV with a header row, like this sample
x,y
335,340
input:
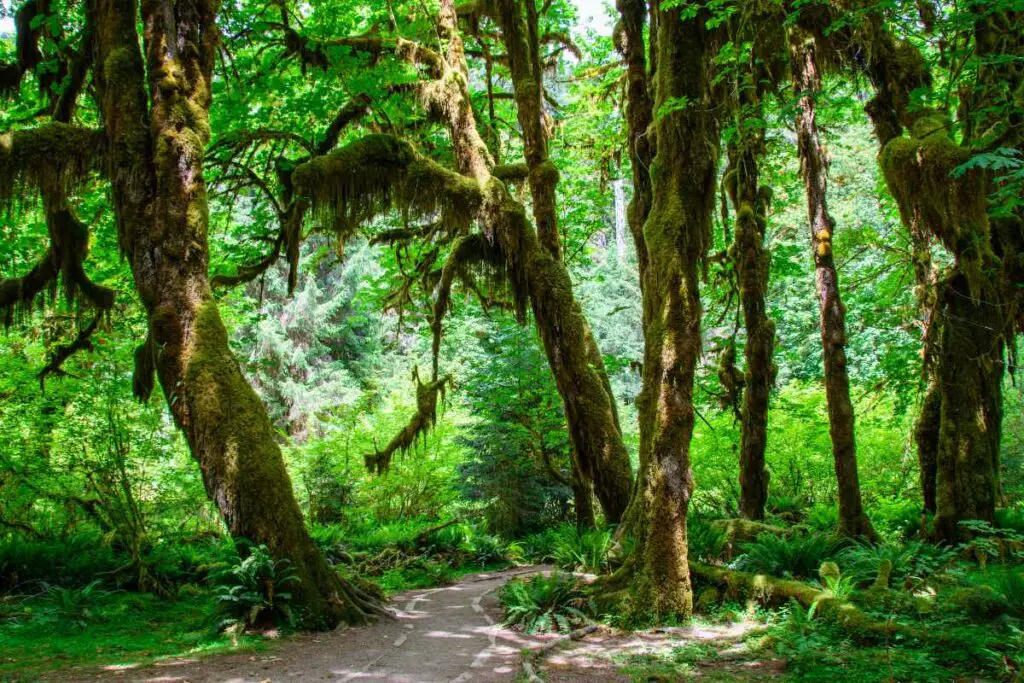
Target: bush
x,y
897,518
545,603
1006,585
706,542
823,518
793,556
914,560
587,552
254,594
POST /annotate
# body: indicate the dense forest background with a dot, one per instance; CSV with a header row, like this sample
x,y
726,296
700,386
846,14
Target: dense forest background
x,y
335,330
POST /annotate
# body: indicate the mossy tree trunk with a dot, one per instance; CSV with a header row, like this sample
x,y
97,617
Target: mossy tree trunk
x,y
156,168
974,300
750,201
853,521
536,271
518,21
675,239
629,41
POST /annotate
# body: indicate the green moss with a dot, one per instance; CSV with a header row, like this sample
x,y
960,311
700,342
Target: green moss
x,y
381,172
54,158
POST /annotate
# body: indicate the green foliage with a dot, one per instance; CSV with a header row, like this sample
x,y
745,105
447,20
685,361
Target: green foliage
x,y
797,555
585,552
254,593
1006,585
706,542
75,606
545,603
915,560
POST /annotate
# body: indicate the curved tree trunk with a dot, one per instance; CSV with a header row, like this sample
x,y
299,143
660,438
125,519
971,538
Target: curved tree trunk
x,y
519,29
537,271
160,198
853,521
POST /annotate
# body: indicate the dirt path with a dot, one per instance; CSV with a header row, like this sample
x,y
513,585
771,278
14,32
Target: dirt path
x,y
442,635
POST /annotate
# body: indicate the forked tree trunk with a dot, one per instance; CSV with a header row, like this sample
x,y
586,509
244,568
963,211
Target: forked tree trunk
x,y
853,521
675,239
160,199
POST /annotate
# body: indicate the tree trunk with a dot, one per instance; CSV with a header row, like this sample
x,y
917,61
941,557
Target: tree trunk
x,y
675,237
970,373
160,199
853,521
960,429
519,29
749,200
536,271
583,499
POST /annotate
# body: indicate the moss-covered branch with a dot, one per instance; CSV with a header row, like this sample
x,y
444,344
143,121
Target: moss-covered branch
x,y
55,158
69,245
380,172
419,424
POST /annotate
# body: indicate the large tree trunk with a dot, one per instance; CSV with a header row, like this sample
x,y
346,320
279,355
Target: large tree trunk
x,y
160,198
959,428
537,271
970,376
853,521
675,237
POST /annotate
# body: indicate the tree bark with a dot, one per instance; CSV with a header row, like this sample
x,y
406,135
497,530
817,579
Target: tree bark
x,y
751,261
156,168
853,521
675,237
960,425
537,272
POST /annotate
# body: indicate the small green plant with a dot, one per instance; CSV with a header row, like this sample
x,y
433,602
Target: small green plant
x,y
486,549
791,556
1006,585
254,593
586,552
545,603
915,560
823,518
75,606
706,542
839,587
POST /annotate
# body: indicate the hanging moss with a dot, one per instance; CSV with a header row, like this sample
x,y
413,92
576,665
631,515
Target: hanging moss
x,y
62,265
54,158
419,424
381,172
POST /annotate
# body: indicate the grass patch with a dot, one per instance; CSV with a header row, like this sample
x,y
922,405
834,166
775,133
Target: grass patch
x,y
44,633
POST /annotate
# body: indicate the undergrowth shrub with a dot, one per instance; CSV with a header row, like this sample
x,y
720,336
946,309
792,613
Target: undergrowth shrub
x,y
706,542
789,556
914,560
254,593
1006,585
586,552
545,603
823,518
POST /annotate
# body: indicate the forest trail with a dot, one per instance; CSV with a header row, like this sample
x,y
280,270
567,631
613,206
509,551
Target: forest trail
x,y
450,634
